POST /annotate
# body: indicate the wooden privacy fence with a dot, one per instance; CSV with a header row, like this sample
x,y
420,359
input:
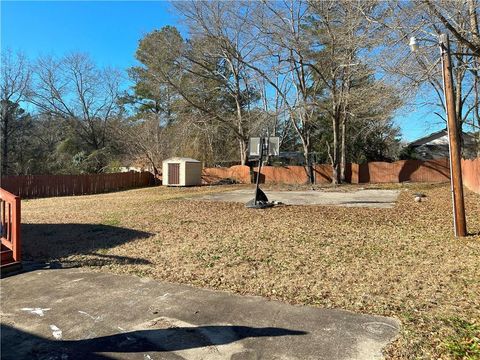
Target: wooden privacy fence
x,y
38,186
239,173
471,174
9,228
399,171
373,172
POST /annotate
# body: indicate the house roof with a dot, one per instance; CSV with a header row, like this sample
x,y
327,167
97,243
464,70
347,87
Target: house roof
x,y
428,138
467,137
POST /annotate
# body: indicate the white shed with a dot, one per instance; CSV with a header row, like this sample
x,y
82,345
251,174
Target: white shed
x,y
181,172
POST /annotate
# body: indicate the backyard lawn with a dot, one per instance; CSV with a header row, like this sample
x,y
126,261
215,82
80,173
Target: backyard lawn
x,y
402,261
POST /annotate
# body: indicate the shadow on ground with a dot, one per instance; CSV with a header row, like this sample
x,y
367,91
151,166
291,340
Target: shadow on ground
x,y
50,242
17,343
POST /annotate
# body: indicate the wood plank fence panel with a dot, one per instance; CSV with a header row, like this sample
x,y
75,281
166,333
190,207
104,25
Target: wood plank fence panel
x,y
323,174
239,173
373,172
38,186
283,175
471,174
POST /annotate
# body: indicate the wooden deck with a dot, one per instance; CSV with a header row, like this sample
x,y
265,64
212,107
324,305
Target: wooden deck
x,y
10,213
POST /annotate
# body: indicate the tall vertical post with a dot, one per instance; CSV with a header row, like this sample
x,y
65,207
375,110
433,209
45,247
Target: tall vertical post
x,y
16,213
262,140
459,222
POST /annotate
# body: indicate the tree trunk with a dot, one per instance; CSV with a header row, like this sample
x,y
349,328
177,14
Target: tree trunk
x,y
475,36
243,151
306,154
343,150
458,97
473,21
476,112
335,158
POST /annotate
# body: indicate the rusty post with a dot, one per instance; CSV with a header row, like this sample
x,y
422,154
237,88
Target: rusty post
x,y
459,222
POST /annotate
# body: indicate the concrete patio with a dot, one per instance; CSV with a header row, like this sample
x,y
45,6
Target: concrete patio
x,y
358,198
76,314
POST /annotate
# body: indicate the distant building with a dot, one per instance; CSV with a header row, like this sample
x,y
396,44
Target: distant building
x,y
435,146
291,158
130,168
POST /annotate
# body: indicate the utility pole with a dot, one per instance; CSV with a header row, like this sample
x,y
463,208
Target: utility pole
x,y
459,222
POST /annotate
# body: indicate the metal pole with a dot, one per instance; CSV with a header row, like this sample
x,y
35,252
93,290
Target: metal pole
x,y
259,170
459,222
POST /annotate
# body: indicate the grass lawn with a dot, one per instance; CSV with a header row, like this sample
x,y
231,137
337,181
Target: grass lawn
x,y
402,262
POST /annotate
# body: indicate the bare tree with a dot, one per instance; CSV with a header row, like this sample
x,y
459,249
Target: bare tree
x,y
420,72
224,38
314,46
344,39
14,84
145,140
465,32
281,55
75,89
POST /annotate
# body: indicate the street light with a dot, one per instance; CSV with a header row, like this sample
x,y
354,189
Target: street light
x,y
459,222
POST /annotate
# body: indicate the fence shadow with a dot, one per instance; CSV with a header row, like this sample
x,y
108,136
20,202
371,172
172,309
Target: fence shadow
x,y
408,168
435,168
363,173
47,242
261,180
401,171
17,344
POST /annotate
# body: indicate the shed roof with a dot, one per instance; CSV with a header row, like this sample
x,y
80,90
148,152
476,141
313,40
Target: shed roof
x,y
181,159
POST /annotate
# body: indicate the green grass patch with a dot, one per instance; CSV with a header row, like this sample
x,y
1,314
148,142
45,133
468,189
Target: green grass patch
x,y
465,343
112,221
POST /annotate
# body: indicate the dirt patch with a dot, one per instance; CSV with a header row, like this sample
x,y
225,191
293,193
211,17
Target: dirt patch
x,y
402,261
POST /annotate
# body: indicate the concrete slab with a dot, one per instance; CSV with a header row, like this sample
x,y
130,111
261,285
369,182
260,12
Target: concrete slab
x,y
358,198
75,314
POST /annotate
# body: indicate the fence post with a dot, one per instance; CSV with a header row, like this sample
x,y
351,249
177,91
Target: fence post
x,y
16,246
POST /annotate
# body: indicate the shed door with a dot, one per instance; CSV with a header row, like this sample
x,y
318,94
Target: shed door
x,y
173,174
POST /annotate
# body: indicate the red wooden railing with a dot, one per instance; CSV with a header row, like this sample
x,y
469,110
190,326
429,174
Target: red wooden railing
x,y
9,228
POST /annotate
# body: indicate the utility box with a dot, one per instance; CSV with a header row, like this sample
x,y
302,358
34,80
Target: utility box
x,y
181,172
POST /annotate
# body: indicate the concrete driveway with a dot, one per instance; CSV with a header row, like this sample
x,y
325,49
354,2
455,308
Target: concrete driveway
x,y
357,198
77,314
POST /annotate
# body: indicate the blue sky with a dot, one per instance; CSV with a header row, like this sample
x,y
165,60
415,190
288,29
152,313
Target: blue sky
x,y
110,30
107,30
